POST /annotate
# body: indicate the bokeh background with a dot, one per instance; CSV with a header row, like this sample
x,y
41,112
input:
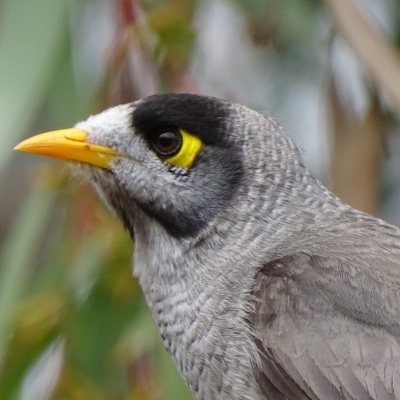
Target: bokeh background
x,y
73,322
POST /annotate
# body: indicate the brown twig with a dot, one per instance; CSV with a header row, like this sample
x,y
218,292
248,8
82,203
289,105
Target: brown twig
x,y
375,52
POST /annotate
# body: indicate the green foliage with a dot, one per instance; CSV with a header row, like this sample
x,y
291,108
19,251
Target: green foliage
x,y
30,36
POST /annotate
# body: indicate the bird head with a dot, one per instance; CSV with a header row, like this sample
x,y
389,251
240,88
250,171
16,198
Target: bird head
x,y
177,161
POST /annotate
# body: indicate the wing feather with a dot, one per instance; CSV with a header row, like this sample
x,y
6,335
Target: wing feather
x,y
327,330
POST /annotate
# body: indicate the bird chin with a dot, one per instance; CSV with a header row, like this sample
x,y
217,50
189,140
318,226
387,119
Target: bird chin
x,y
102,180
86,172
97,177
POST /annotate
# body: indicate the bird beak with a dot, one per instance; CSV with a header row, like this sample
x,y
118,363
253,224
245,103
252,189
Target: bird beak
x,y
68,144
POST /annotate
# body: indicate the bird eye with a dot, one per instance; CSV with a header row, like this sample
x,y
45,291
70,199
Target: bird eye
x,y
167,143
177,147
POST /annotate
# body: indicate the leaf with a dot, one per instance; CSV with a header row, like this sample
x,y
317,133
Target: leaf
x,y
17,253
28,55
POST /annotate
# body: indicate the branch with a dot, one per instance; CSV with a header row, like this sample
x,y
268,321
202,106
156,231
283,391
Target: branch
x,y
375,52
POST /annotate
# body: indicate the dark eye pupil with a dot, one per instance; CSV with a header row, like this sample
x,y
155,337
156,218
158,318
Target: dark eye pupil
x,y
167,143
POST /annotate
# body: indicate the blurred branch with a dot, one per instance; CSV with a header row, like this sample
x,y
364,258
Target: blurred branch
x,y
356,153
376,53
127,11
130,70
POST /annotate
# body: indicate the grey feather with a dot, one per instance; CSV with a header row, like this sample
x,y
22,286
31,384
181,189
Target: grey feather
x,y
264,285
336,328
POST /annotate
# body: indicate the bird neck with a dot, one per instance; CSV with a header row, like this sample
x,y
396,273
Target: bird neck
x,y
193,300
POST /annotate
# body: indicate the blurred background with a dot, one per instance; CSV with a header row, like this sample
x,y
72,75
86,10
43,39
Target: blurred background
x,y
73,323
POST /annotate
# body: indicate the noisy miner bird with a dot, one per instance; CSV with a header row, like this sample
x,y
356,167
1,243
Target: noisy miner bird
x,y
264,285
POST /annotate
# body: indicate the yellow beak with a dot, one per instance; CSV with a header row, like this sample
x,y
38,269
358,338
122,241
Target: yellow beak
x,y
68,144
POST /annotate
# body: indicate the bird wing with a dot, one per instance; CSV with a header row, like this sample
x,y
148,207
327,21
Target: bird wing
x,y
327,327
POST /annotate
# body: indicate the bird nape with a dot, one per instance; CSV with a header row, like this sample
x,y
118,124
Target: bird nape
x,y
264,285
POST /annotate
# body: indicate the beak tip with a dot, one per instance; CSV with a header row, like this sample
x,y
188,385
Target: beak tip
x,y
20,146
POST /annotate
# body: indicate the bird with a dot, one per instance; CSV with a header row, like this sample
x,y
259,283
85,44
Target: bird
x,y
263,283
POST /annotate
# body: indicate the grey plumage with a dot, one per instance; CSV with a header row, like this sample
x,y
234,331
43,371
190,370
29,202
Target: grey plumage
x,y
264,285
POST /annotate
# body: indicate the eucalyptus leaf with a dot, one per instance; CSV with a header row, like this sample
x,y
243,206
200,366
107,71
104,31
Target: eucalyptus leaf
x,y
17,253
31,34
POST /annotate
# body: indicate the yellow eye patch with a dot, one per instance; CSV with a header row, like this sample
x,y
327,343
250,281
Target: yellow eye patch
x,y
191,146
